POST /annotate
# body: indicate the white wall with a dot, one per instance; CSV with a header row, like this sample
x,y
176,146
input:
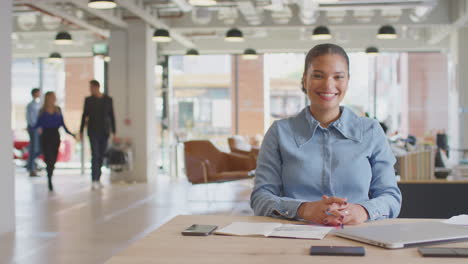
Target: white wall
x,y
7,184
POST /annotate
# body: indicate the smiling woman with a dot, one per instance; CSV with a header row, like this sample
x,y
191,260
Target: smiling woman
x,y
326,165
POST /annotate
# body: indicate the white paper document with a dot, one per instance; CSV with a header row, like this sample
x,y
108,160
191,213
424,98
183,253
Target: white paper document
x,y
274,230
457,220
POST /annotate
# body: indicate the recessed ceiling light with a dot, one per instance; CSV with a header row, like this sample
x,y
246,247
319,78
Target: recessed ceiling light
x,y
192,52
250,54
63,38
321,33
161,35
372,50
202,2
102,4
387,32
234,35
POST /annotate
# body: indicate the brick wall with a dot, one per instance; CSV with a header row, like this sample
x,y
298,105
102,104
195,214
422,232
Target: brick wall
x,y
250,107
427,93
79,71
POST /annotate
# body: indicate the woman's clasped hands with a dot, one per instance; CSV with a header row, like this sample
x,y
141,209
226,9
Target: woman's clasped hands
x,y
333,211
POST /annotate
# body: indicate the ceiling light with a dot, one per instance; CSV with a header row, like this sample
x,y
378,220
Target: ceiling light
x,y
55,56
387,32
250,54
372,50
102,4
192,52
202,2
63,38
234,35
161,35
321,33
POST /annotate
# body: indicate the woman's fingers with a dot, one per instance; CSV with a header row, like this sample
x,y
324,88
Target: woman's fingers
x,y
331,200
332,221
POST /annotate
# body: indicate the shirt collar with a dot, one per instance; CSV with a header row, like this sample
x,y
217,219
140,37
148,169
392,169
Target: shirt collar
x,y
304,125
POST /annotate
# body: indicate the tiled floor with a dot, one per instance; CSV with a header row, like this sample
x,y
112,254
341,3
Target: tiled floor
x,y
77,225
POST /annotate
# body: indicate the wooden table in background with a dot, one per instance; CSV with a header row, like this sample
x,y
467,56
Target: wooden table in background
x,y
167,245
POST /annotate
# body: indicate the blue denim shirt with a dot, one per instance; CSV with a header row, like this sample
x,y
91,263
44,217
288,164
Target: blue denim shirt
x,y
299,161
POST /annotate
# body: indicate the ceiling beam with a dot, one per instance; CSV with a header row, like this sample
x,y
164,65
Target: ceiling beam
x,y
437,17
183,5
149,18
104,15
66,16
440,33
249,11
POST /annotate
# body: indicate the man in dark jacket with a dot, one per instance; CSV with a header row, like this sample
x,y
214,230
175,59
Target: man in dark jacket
x,y
98,115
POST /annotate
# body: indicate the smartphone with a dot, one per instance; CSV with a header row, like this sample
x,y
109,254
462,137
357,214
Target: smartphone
x,y
444,252
199,230
336,251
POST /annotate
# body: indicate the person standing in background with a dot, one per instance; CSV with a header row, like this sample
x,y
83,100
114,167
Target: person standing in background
x,y
49,121
34,149
98,115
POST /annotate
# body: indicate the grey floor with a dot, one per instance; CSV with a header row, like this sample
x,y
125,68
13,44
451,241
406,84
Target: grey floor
x,y
77,225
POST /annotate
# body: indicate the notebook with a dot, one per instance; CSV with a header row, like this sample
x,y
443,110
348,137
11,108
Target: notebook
x,y
274,230
405,235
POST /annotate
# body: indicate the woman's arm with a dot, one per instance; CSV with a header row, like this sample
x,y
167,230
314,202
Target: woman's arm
x,y
384,194
62,123
267,198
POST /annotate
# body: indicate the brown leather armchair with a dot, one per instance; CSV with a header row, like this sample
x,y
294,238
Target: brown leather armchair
x,y
205,163
238,144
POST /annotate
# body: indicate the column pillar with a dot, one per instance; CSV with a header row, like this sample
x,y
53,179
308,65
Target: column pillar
x,y
7,187
460,64
132,86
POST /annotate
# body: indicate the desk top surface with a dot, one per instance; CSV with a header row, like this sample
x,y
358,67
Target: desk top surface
x,y
167,245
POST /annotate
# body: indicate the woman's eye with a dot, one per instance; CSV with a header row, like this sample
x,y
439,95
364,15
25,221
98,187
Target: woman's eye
x,y
317,76
339,77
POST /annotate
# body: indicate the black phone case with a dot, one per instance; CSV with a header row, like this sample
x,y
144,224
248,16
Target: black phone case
x,y
192,230
444,252
336,251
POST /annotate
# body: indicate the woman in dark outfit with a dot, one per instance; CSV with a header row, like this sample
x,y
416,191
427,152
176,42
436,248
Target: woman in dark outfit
x,y
49,121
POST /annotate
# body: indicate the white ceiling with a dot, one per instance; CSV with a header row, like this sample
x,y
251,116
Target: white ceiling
x,y
268,25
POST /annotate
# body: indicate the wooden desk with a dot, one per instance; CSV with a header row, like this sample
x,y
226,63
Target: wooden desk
x,y
167,245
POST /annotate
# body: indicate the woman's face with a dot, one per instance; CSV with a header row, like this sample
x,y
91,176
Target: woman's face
x,y
326,82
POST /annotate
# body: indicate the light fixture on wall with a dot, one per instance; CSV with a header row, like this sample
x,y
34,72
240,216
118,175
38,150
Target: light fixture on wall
x,y
250,54
202,2
102,4
63,38
161,35
372,50
321,33
234,35
387,32
55,57
192,52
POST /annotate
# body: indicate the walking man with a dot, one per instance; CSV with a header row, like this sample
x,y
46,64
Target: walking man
x,y
98,115
32,112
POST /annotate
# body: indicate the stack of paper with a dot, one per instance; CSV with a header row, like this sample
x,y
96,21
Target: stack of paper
x,y
274,230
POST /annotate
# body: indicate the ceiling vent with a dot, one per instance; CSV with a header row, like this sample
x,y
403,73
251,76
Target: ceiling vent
x,y
201,15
